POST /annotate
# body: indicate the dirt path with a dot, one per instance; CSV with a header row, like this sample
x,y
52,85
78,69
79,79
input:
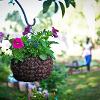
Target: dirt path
x,y
93,69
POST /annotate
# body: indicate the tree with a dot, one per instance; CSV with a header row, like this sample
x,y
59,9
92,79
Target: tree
x,y
15,17
58,4
47,4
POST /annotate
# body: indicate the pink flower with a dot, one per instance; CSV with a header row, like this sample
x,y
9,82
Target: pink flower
x,y
54,31
18,43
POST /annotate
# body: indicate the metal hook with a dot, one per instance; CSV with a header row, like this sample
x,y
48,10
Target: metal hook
x,y
34,21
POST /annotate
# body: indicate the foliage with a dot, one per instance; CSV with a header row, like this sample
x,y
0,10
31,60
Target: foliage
x,y
56,83
97,0
47,4
34,96
11,93
98,32
37,96
44,20
14,94
83,86
20,54
78,40
4,70
58,4
98,39
15,17
29,45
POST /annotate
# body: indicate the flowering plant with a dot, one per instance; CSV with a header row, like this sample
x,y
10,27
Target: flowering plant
x,y
30,44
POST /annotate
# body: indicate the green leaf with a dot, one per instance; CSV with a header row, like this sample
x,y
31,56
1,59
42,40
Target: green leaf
x,y
18,54
44,44
53,42
24,39
97,0
43,56
72,2
11,1
62,8
67,3
50,53
56,7
46,5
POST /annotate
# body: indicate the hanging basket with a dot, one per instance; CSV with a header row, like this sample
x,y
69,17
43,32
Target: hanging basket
x,y
31,69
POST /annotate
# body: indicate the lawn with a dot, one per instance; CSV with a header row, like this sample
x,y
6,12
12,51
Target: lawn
x,y
85,86
7,93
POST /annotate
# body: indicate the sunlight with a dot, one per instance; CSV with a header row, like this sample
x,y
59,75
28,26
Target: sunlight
x,y
71,81
91,79
80,86
89,12
69,92
82,76
92,84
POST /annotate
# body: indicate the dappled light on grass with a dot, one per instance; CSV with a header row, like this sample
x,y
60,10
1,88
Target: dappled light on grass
x,y
69,92
92,84
71,81
81,86
82,76
7,93
85,86
91,79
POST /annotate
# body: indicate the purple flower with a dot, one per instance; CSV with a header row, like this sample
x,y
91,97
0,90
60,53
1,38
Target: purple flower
x,y
27,30
1,36
54,31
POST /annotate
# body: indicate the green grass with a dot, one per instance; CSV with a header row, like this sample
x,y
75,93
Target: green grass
x,y
7,93
83,87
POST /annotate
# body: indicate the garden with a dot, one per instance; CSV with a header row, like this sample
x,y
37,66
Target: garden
x,y
42,52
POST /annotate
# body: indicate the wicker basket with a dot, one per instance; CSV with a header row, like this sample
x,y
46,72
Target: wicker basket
x,y
31,69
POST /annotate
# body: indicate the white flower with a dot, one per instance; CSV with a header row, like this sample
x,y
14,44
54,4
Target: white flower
x,y
45,92
5,45
8,52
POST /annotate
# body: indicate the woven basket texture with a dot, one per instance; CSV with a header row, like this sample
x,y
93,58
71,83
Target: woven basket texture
x,y
31,69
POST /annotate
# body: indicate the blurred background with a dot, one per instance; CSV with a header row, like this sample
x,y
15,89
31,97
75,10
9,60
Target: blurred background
x,y
77,24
